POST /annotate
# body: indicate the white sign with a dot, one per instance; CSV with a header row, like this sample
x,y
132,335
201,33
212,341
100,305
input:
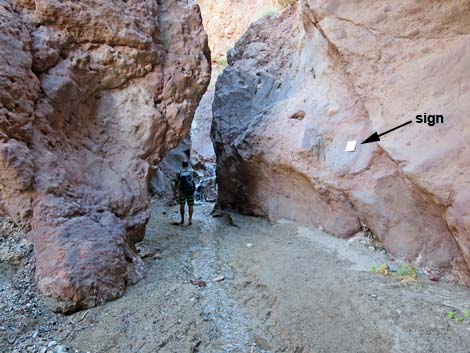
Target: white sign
x,y
351,146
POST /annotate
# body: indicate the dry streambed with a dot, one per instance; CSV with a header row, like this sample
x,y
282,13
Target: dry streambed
x,y
285,288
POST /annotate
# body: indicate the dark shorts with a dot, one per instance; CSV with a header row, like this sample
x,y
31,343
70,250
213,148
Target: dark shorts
x,y
183,198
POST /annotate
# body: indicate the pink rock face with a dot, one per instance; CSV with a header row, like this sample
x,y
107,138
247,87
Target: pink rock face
x,y
91,94
226,21
300,86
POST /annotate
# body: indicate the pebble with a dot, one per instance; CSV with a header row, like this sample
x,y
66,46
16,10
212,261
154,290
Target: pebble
x,y
373,295
371,248
263,343
18,297
249,245
199,283
60,349
218,279
51,344
359,238
157,256
432,274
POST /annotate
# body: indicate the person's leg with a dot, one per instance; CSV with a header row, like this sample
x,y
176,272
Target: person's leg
x,y
191,208
182,213
181,201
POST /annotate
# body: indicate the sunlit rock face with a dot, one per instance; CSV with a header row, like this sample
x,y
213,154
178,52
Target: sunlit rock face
x,y
300,86
91,94
225,21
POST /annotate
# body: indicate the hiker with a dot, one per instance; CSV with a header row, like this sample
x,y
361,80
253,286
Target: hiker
x,y
186,186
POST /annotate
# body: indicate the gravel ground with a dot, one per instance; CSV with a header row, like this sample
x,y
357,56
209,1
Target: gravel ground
x,y
284,288
26,323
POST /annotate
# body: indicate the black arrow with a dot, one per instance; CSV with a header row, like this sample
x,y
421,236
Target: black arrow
x,y
376,137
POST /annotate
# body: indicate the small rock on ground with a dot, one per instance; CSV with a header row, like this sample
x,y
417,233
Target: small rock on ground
x,y
218,278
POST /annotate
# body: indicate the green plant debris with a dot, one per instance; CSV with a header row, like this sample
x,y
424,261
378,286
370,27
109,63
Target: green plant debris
x,y
267,13
456,316
384,269
285,3
273,10
407,272
222,61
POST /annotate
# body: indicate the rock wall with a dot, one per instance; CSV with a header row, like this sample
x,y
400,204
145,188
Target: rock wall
x,y
325,72
163,181
91,94
202,150
196,149
226,20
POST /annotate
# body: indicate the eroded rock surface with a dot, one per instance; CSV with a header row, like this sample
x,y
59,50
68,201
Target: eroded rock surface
x,y
162,184
300,86
226,20
91,94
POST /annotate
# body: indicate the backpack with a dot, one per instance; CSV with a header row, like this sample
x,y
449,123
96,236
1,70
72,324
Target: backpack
x,y
187,184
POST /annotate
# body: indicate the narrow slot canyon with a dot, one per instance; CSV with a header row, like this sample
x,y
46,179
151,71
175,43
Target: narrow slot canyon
x,y
324,143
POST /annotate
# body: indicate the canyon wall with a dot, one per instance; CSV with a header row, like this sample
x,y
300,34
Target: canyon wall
x,y
299,86
162,184
225,21
91,94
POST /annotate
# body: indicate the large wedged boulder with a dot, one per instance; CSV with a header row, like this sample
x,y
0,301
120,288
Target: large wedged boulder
x,y
300,86
91,94
224,22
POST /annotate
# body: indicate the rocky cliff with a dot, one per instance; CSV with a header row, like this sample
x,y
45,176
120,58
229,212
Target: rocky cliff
x,y
91,94
226,20
301,85
162,183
